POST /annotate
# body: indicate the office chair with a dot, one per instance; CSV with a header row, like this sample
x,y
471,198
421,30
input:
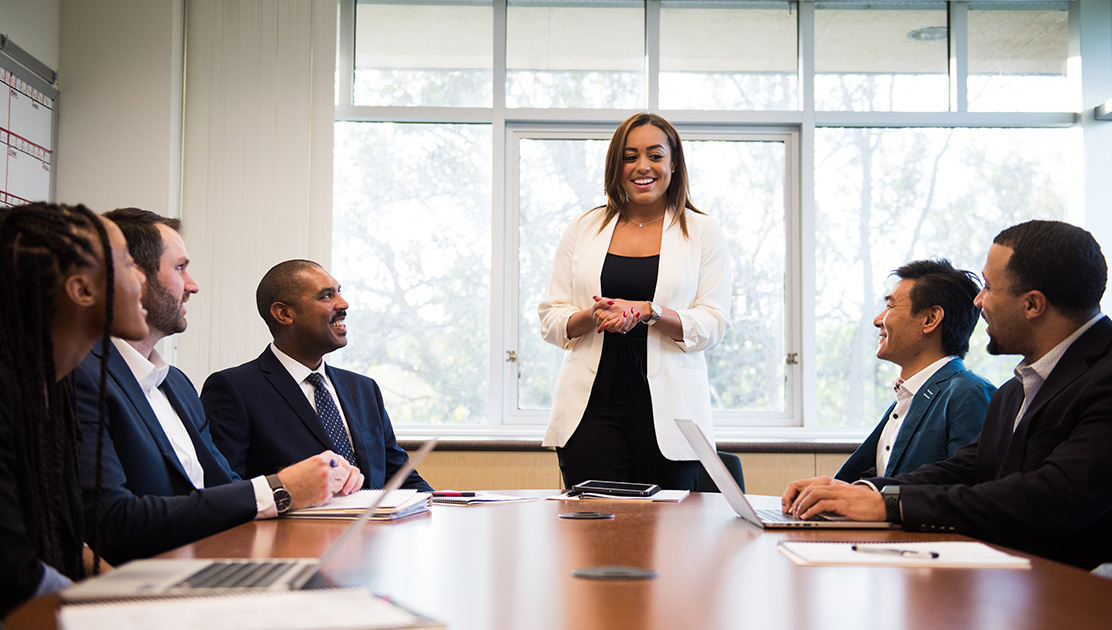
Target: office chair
x,y
733,464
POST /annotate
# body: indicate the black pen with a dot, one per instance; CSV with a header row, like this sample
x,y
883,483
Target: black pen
x,y
906,553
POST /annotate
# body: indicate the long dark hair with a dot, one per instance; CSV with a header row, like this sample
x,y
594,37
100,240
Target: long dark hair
x,y
677,194
39,244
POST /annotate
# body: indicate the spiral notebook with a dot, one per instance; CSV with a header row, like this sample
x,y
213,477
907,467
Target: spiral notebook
x,y
189,578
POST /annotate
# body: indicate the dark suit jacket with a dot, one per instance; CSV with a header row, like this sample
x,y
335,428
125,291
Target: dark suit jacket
x,y
21,539
147,503
262,421
946,414
1045,489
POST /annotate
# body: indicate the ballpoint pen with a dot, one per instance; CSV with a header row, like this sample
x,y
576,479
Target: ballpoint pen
x,y
452,493
906,553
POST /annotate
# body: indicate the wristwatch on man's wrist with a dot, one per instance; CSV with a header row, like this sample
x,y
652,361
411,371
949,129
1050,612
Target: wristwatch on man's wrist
x,y
654,313
282,497
891,495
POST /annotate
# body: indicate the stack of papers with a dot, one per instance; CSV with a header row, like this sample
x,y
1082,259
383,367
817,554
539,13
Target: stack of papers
x,y
397,504
942,554
325,609
664,496
479,498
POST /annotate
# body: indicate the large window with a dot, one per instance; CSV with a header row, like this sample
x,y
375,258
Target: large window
x,y
834,141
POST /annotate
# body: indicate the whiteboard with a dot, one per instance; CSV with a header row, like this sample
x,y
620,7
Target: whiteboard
x,y
27,136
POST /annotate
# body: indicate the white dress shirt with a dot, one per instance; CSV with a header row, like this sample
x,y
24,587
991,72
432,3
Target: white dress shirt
x,y
905,393
299,373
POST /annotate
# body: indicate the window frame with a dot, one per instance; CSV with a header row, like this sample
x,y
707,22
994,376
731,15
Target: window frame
x,y
801,123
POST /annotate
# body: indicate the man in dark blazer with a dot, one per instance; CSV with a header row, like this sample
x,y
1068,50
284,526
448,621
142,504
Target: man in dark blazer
x,y
1036,479
265,412
163,483
940,406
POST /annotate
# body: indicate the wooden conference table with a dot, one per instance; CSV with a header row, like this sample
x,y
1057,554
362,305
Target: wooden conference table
x,y
509,567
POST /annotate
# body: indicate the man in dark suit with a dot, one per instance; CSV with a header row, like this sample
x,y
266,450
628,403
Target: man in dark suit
x,y
275,409
164,484
1036,479
940,406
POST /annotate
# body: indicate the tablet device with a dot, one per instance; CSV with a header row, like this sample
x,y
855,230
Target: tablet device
x,y
617,488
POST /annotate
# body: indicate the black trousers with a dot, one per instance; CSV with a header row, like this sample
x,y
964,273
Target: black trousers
x,y
616,439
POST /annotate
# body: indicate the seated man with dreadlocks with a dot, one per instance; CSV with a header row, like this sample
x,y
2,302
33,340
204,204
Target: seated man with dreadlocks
x,y
66,282
162,483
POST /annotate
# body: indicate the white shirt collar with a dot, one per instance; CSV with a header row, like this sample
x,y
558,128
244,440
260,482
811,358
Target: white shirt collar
x,y
296,369
913,384
150,373
1045,365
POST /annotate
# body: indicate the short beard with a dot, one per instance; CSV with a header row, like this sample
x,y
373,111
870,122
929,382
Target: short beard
x,y
163,308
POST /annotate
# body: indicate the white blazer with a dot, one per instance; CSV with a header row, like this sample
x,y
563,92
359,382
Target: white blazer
x,y
694,279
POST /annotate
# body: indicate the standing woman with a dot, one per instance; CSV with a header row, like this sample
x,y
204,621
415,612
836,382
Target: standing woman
x,y
639,289
64,272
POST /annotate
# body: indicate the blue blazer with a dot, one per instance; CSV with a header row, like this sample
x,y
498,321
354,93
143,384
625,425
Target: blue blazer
x,y
147,503
946,414
1042,488
262,421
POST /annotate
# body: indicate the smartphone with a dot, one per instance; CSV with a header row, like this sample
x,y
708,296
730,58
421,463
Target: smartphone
x,y
618,488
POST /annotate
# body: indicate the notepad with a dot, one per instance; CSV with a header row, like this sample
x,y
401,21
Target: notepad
x,y
326,609
483,498
951,554
396,504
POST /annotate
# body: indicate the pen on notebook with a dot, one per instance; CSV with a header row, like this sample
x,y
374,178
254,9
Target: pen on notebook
x,y
906,553
453,493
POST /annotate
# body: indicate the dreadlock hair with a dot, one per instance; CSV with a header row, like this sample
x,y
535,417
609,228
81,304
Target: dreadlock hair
x,y
39,244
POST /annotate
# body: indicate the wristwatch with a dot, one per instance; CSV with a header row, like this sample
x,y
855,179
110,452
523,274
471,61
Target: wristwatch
x,y
282,497
891,495
654,313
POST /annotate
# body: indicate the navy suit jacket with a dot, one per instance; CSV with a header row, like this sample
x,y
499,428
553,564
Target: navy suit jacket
x,y
262,421
1044,489
946,413
147,503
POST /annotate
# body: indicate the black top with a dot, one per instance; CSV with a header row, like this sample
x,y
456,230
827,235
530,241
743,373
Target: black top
x,y
626,278
21,540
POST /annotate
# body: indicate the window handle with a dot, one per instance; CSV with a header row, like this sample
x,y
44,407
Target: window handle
x,y
792,358
511,356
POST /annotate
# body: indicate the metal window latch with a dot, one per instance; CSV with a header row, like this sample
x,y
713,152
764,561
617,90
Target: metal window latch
x,y
511,356
792,358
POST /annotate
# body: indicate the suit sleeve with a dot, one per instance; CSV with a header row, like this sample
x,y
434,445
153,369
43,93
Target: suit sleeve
x,y
558,304
133,526
396,457
1067,492
706,321
228,419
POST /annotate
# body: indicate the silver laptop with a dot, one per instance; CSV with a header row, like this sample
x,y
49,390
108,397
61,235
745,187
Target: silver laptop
x,y
767,518
173,577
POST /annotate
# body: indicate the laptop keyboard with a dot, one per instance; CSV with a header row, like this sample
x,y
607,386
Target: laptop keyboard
x,y
245,574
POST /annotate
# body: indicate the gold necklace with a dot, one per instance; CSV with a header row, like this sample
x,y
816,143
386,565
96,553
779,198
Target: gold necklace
x,y
641,225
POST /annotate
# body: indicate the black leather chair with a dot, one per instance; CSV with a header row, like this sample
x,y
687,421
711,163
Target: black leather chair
x,y
733,464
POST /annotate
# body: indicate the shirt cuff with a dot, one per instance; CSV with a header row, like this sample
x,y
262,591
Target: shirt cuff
x,y
264,498
859,482
52,581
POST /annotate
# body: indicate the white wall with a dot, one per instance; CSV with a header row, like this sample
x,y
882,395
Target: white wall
x,y
33,26
119,116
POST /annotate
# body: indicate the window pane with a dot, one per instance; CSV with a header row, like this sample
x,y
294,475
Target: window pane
x,y
576,54
739,183
885,197
558,180
868,60
1017,61
432,54
726,57
411,248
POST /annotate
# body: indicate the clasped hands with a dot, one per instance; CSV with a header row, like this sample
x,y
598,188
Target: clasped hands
x,y
618,316
314,480
807,498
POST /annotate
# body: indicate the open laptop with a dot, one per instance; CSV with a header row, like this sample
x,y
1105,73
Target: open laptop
x,y
174,577
768,518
